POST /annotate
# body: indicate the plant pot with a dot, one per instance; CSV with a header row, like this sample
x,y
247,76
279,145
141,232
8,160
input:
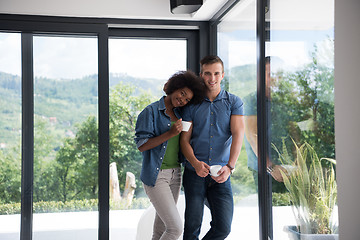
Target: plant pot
x,y
295,235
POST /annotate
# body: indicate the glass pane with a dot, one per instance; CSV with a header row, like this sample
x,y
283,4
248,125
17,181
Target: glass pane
x,y
138,70
301,83
10,135
237,48
65,138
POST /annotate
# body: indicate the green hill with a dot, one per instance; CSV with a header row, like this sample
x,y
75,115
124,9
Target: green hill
x,y
65,102
61,103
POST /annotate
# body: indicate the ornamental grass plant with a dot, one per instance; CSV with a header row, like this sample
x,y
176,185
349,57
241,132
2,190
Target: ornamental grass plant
x,y
312,189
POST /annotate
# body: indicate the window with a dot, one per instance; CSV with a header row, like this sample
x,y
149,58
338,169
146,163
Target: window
x,y
65,117
10,134
59,73
65,136
236,35
301,84
299,96
138,70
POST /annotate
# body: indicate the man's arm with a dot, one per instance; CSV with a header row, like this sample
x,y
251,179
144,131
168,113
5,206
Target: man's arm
x,y
201,168
251,136
237,127
251,132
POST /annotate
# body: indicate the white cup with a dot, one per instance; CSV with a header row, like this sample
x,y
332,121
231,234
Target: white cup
x,y
214,170
185,125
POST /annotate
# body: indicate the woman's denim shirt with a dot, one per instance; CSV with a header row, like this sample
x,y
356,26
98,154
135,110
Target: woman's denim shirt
x,y
152,122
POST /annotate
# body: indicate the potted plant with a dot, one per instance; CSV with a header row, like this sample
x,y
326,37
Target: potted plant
x,y
313,193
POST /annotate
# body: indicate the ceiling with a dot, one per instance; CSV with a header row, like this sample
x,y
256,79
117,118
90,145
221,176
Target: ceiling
x,y
130,9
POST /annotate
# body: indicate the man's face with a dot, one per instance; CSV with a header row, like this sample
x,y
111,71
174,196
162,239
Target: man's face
x,y
212,75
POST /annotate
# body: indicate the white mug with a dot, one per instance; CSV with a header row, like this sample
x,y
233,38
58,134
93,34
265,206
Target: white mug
x,y
214,170
185,125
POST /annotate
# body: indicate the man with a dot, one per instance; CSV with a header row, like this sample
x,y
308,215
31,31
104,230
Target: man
x,y
251,136
215,138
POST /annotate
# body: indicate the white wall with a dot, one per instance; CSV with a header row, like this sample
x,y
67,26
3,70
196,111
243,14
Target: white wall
x,y
135,9
347,115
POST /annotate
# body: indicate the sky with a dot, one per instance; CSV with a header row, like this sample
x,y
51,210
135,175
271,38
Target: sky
x,y
10,53
75,57
147,58
70,57
298,57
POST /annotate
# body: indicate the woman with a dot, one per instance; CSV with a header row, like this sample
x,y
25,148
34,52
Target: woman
x,y
157,137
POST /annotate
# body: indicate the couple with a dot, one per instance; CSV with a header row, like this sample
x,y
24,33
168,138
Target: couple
x,y
214,138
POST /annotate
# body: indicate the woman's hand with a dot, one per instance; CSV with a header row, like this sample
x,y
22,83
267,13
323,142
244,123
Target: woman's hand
x,y
176,128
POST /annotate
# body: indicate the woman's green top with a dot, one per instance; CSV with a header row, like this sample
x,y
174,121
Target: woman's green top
x,y
172,153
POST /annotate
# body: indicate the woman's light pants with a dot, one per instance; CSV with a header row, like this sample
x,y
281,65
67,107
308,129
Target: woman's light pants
x,y
164,196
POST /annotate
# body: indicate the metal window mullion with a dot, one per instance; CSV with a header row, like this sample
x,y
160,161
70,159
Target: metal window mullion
x,y
192,53
27,137
265,207
103,86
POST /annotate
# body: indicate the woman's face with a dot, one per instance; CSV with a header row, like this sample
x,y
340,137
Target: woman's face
x,y
181,97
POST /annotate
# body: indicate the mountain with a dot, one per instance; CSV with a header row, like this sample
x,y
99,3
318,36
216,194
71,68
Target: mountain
x,y
62,103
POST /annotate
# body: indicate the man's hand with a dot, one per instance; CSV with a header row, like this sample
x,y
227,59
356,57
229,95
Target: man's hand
x,y
224,174
202,169
275,172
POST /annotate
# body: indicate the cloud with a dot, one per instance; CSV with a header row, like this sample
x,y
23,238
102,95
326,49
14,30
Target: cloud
x,y
10,49
147,58
68,57
65,57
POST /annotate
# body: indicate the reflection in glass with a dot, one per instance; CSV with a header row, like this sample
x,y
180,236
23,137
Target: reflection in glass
x,y
237,48
302,112
10,135
138,70
65,137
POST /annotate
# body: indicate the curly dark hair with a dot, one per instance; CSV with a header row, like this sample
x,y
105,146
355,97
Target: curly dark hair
x,y
187,79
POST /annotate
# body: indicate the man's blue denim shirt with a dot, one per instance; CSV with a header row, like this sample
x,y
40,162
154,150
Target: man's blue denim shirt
x,y
211,135
152,122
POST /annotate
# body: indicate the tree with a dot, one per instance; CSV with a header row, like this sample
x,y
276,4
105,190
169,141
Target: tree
x,y
75,167
304,101
86,156
65,171
44,144
77,160
10,177
124,109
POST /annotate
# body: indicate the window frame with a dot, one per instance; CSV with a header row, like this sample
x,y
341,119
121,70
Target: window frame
x,y
264,184
29,26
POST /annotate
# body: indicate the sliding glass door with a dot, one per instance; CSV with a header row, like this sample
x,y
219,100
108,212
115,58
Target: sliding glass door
x,y
10,135
65,193
300,76
50,152
139,68
236,36
293,93
74,120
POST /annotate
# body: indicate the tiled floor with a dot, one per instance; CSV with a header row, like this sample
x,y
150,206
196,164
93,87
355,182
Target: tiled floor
x,y
124,224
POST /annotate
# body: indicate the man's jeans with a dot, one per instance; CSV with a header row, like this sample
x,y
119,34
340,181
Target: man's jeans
x,y
220,201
